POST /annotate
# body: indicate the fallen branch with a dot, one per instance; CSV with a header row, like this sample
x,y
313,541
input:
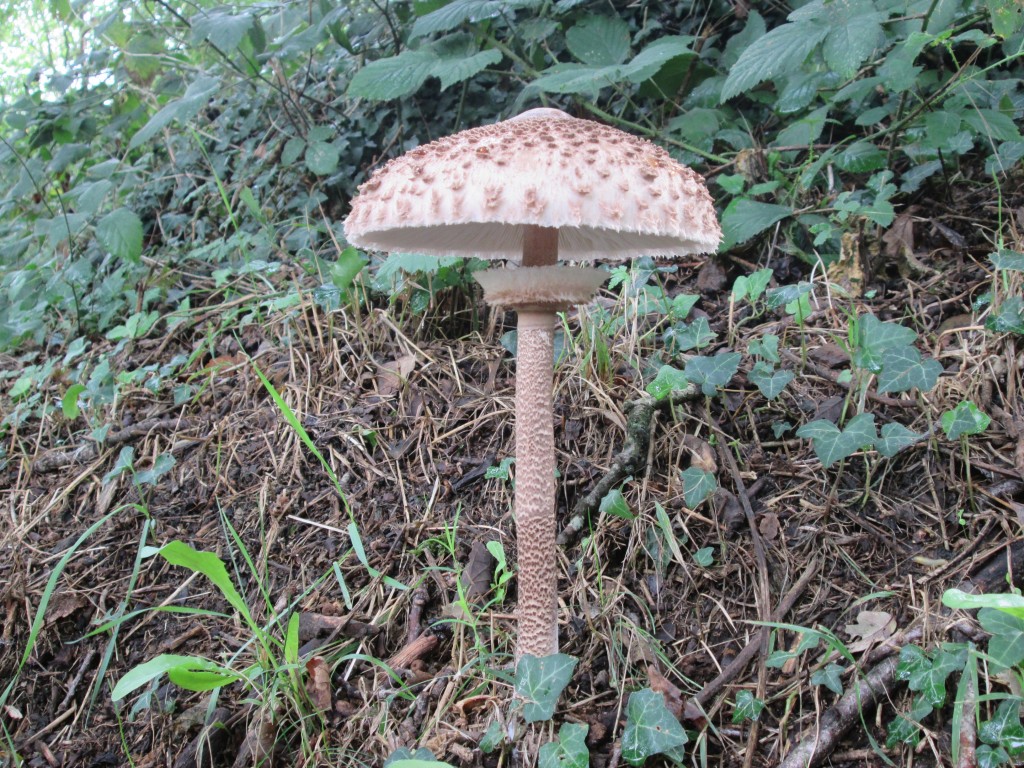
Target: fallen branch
x,y
822,741
629,461
89,451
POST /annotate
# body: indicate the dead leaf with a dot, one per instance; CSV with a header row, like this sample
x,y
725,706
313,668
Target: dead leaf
x,y
476,576
392,375
768,525
899,247
711,278
702,455
830,355
62,605
318,684
872,627
849,269
668,689
730,513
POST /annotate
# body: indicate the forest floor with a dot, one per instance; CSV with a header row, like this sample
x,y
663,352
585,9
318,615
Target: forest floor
x,y
411,409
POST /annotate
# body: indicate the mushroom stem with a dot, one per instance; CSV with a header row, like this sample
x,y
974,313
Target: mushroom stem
x,y
535,485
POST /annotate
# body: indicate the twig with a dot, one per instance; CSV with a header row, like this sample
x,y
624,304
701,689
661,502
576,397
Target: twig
x,y
629,461
89,451
834,724
417,649
968,726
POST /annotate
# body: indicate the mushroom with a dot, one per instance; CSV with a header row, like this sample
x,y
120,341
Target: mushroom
x,y
529,189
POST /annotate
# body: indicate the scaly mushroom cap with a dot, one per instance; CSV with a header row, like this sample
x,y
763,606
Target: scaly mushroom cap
x,y
610,194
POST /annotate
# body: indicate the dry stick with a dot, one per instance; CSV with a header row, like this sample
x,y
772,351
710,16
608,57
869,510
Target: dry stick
x,y
90,451
751,650
627,462
837,721
968,726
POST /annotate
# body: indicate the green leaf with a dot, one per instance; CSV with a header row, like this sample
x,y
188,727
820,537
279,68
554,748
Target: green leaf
x,y
454,69
344,271
655,55
570,751
211,566
686,336
873,337
1005,15
751,286
1007,259
832,445
905,729
161,466
1006,646
650,728
697,485
928,675
705,557
896,437
1004,729
322,158
1008,317
540,681
196,96
599,41
786,294
682,304
614,503
667,381
771,382
861,157
406,755
120,234
780,52
991,757
766,347
965,419
903,369
456,13
393,77
712,372
856,31
1009,603
744,219
222,29
69,403
748,707
830,677
189,672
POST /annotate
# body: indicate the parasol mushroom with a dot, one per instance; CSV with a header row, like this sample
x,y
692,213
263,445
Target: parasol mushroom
x,y
530,189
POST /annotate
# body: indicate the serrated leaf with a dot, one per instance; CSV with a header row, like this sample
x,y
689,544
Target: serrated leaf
x,y
540,681
965,419
650,728
861,157
393,77
667,381
1006,646
856,31
744,219
456,13
655,55
697,485
570,751
770,382
599,41
224,30
454,70
830,677
748,707
1007,259
614,503
576,78
895,437
712,372
780,52
120,234
322,158
903,370
196,96
832,444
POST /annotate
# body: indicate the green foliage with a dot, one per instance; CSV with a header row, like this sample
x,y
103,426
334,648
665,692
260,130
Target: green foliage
x,y
748,707
614,503
570,751
540,681
832,444
650,728
698,484
964,419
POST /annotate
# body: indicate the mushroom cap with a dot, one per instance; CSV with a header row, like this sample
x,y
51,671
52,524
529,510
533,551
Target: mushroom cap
x,y
611,195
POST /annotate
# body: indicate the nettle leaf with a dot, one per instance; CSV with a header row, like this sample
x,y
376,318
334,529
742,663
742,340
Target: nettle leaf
x,y
830,677
895,437
576,78
1007,259
667,381
570,751
965,419
401,75
650,728
712,372
540,681
222,29
454,69
780,52
832,444
743,219
697,485
856,31
903,369
654,56
1006,646
120,234
873,337
196,96
599,41
770,381
748,707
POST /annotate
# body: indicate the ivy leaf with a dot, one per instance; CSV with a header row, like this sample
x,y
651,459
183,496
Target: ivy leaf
x,y
540,681
743,219
786,294
161,466
614,503
682,304
771,382
780,52
766,347
965,419
991,757
686,336
751,286
667,381
1007,259
903,369
697,485
873,337
748,707
705,557
896,437
120,234
1004,729
650,728
1008,318
831,445
570,751
1006,646
1008,603
904,729
599,41
928,675
712,372
405,754
830,677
